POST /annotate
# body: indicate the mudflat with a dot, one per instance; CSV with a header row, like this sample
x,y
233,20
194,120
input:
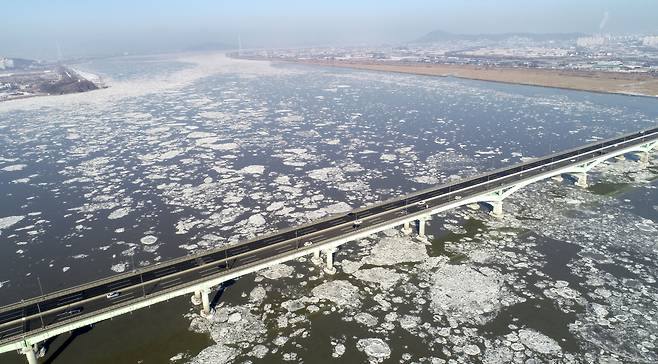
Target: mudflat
x,y
596,81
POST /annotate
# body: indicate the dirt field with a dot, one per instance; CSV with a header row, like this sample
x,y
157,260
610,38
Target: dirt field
x,y
608,82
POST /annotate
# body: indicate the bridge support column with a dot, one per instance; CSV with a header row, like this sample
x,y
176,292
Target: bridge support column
x,y
196,298
30,354
330,269
581,180
497,209
406,229
644,157
205,299
421,228
317,260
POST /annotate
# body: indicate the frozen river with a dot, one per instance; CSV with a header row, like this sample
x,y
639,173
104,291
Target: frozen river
x,y
187,154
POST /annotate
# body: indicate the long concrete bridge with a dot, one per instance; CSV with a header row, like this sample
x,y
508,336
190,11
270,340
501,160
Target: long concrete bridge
x,y
25,324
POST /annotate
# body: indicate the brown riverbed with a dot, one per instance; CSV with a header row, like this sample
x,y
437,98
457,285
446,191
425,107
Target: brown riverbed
x,y
595,81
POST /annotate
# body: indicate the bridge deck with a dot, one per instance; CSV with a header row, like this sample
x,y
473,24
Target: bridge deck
x,y
55,309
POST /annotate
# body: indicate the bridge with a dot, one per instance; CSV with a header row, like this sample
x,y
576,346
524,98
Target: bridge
x,y
25,324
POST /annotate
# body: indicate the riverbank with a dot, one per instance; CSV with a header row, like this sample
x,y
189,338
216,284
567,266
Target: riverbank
x,y
604,82
58,80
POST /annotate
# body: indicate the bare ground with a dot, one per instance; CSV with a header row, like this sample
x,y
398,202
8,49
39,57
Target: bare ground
x,y
607,82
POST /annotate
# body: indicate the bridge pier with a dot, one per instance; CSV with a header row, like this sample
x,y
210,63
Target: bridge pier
x,y
497,209
30,354
317,260
329,268
644,157
421,228
406,229
581,179
196,298
205,300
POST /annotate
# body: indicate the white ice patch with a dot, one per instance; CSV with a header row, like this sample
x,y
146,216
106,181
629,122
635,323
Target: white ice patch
x,y
466,294
148,240
257,294
539,342
14,168
253,169
339,292
338,208
119,268
376,349
386,278
256,220
395,250
119,213
200,135
365,319
225,146
216,354
277,271
328,174
8,221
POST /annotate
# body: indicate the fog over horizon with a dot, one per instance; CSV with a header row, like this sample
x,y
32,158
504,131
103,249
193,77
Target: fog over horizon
x,y
53,29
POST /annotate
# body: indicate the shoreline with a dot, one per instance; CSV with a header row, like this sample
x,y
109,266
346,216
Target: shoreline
x,y
75,77
627,84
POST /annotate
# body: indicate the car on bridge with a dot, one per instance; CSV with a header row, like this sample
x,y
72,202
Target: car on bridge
x,y
112,295
357,223
71,312
422,204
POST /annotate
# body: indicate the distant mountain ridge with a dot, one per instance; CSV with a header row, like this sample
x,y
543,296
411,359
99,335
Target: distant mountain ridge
x,y
443,36
210,46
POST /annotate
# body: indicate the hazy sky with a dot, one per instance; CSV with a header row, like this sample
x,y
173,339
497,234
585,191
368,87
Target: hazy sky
x,y
33,28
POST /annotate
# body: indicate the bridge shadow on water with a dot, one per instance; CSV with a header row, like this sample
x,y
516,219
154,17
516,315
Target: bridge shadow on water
x,y
220,292
52,356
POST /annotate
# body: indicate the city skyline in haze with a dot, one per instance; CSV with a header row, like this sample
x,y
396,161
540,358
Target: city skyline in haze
x,y
46,29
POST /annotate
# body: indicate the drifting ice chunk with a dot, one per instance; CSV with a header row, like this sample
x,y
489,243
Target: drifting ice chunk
x,y
386,278
14,168
8,221
539,342
253,169
148,240
395,250
339,292
468,295
375,348
119,213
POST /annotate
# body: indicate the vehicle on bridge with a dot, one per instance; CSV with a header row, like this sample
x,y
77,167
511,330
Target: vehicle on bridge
x,y
112,295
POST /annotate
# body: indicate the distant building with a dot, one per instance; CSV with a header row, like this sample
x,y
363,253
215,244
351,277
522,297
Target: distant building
x,y
651,41
6,63
587,42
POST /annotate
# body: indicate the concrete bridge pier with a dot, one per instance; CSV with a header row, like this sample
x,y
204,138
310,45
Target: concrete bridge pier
x,y
30,354
406,229
581,179
196,298
317,260
644,157
421,228
497,209
205,300
329,268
